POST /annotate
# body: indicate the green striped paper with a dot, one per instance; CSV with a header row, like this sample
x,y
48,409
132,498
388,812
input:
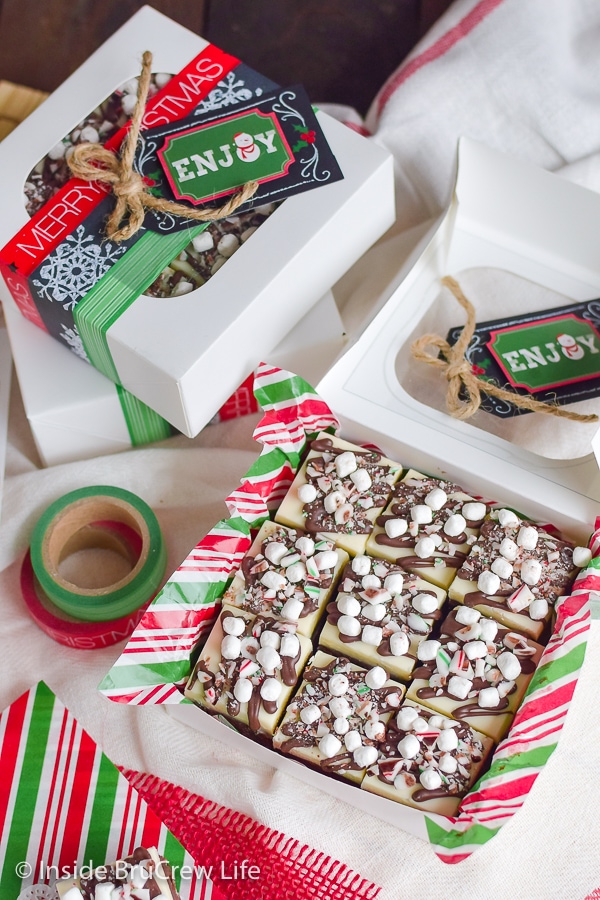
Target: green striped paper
x,y
143,424
121,286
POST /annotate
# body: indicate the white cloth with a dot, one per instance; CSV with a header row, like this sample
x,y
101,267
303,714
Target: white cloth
x,y
522,76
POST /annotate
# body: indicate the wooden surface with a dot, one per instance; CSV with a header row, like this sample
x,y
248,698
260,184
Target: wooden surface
x,y
341,50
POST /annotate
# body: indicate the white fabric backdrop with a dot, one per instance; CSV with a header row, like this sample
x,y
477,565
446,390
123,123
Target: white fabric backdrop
x,y
523,76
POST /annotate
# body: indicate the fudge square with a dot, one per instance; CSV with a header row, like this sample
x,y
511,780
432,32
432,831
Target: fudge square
x,y
338,491
248,669
476,672
287,574
428,527
516,571
427,760
381,614
337,719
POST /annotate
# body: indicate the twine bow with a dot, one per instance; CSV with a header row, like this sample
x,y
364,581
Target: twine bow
x,y
461,378
92,162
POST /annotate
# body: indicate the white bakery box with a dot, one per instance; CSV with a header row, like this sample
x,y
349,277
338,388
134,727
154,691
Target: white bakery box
x,y
168,353
506,215
75,412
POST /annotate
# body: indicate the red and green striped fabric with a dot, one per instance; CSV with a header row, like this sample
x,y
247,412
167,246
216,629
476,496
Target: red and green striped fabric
x,y
64,804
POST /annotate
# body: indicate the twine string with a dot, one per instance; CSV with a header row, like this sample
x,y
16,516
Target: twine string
x,y
463,397
93,162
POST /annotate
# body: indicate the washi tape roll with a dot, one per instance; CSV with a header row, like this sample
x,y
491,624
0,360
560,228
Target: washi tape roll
x,y
73,523
65,629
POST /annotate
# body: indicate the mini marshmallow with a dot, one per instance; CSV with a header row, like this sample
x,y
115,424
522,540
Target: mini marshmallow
x,y
488,629
371,581
326,559
270,639
242,690
375,612
474,511
340,707
430,779
310,714
406,717
465,615
447,740
345,463
488,698
231,647
89,133
349,626
104,890
427,650
233,625
396,527
581,557
57,152
475,649
352,740
425,603
531,571
348,605
425,547
329,745
394,582
502,568
361,480
488,582
538,609
372,635
447,764
227,245
459,687
399,643
509,665
341,726
455,525
307,493
338,684
273,581
275,551
420,725
507,518
292,609
376,677
421,514
290,645
361,565
305,545
374,730
270,689
509,549
436,498
409,746
296,572
332,501
203,242
343,514
365,756
269,659
527,537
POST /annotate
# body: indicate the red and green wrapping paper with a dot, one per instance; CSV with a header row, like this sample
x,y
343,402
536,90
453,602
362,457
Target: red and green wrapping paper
x,y
64,805
155,663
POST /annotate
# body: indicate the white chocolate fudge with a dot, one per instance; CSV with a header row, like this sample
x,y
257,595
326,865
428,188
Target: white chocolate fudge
x,y
287,574
339,491
142,874
337,719
515,573
427,760
477,671
380,615
248,669
427,527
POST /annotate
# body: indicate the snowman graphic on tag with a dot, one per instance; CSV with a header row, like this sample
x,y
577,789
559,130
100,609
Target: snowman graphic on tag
x,y
246,147
569,346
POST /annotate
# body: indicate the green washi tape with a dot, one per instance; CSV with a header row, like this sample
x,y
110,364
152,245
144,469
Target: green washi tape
x,y
64,529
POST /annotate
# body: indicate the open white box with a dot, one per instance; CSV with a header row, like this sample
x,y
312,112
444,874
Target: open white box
x,y
508,215
169,352
83,417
